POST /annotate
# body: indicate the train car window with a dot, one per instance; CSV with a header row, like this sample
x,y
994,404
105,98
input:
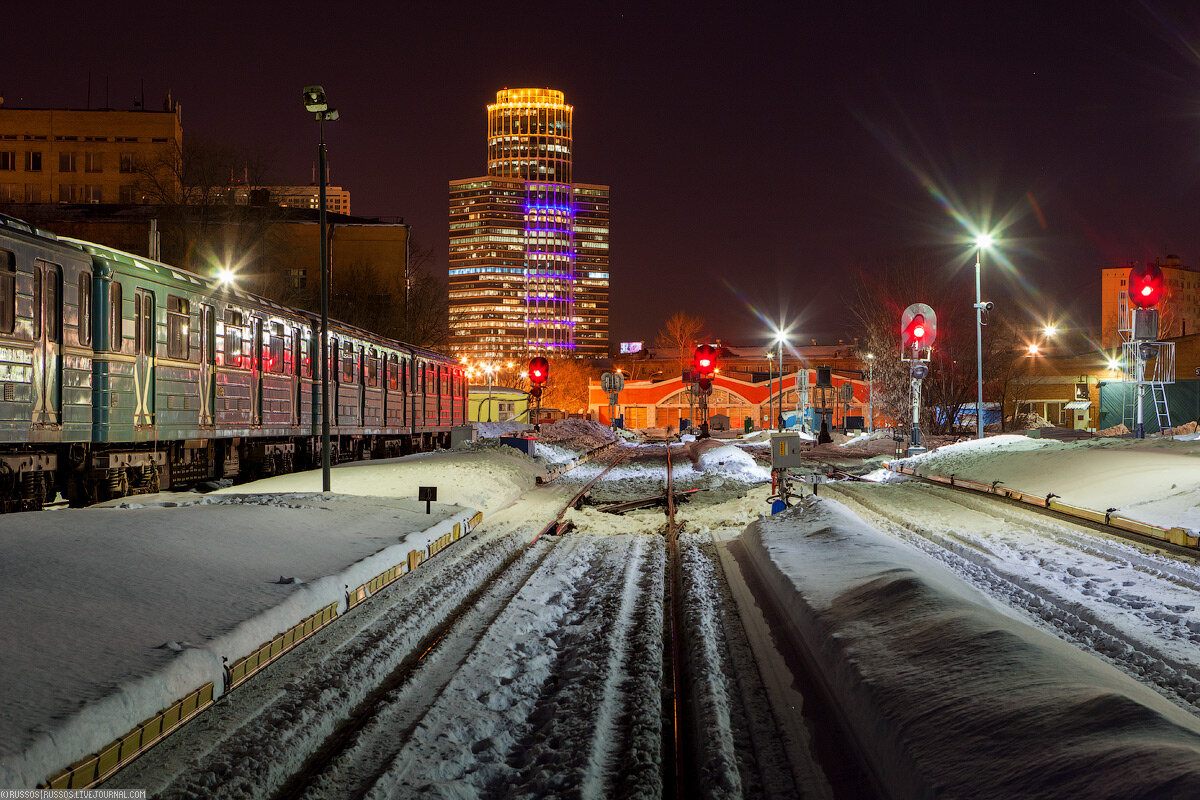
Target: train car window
x,y
37,303
293,355
115,333
306,347
347,362
85,308
275,356
8,292
233,338
373,368
393,369
179,344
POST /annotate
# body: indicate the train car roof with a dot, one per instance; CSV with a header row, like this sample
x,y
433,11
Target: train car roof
x,y
181,275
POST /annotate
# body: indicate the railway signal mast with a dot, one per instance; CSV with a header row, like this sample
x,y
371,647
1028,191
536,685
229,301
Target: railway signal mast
x,y
539,373
1149,361
918,330
704,366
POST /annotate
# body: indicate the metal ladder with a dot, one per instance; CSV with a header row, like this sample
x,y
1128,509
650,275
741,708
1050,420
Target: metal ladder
x,y
1128,405
1159,392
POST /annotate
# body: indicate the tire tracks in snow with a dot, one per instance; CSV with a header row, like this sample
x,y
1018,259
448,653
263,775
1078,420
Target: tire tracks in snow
x,y
975,553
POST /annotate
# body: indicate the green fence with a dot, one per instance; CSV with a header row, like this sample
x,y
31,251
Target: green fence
x,y
1183,402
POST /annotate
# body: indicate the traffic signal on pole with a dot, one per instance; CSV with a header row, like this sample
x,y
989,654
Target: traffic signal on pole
x,y
535,392
704,360
1145,285
539,371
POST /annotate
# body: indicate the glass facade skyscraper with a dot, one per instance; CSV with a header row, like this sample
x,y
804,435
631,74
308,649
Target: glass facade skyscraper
x,y
529,265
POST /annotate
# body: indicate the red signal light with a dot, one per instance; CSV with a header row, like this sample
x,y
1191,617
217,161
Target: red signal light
x,y
704,360
1146,285
539,371
914,334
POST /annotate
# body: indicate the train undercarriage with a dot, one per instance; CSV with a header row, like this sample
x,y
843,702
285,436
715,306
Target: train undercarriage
x,y
86,473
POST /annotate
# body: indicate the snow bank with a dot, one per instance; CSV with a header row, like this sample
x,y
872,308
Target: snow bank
x,y
732,462
111,614
492,430
1151,480
946,692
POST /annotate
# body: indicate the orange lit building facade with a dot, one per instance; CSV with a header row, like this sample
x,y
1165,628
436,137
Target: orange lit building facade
x,y
1179,310
85,155
529,249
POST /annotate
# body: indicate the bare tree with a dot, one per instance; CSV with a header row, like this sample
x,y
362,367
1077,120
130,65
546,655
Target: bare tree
x,y
681,332
881,294
567,388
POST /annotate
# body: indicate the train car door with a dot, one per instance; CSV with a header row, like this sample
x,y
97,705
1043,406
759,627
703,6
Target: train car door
x,y
143,366
335,382
256,366
208,364
294,371
47,300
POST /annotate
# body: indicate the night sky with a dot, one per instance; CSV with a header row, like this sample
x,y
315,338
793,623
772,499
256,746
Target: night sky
x,y
758,159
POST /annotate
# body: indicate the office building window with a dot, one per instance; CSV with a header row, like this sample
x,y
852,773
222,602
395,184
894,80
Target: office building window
x,y
33,161
93,162
66,162
8,160
127,163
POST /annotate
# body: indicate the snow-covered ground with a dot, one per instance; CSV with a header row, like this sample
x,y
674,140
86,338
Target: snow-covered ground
x,y
948,692
1150,480
111,614
975,650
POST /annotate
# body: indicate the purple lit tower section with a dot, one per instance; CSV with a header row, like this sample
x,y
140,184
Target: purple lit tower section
x,y
528,248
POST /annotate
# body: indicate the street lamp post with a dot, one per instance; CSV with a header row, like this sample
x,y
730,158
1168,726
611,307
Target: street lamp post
x,y
981,241
315,101
770,400
780,336
870,393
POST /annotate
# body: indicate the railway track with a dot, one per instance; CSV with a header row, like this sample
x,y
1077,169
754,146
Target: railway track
x,y
577,657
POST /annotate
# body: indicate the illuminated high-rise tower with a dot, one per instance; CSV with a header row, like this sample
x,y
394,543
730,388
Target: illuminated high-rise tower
x,y
528,248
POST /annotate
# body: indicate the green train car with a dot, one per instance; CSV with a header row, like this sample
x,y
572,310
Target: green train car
x,y
121,375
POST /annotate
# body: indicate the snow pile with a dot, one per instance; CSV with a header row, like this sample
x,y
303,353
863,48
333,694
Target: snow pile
x,y
92,595
492,430
732,462
580,435
949,694
1151,480
200,571
486,480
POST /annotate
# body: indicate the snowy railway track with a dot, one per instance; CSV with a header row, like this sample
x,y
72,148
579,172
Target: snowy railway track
x,y
1129,604
528,663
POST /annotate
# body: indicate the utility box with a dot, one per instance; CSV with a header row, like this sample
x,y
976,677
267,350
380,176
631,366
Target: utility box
x,y
785,450
522,443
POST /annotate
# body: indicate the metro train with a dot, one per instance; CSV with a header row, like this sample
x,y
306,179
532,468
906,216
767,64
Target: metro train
x,y
120,375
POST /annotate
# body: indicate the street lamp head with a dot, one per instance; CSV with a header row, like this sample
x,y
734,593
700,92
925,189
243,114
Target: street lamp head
x,y
1033,349
328,115
1050,330
314,98
780,336
870,356
984,241
225,276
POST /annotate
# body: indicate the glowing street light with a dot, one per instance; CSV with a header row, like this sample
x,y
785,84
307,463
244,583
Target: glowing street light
x,y
1034,349
1050,330
226,276
780,338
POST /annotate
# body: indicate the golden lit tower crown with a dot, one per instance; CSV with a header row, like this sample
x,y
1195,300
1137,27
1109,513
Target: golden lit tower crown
x,y
529,135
